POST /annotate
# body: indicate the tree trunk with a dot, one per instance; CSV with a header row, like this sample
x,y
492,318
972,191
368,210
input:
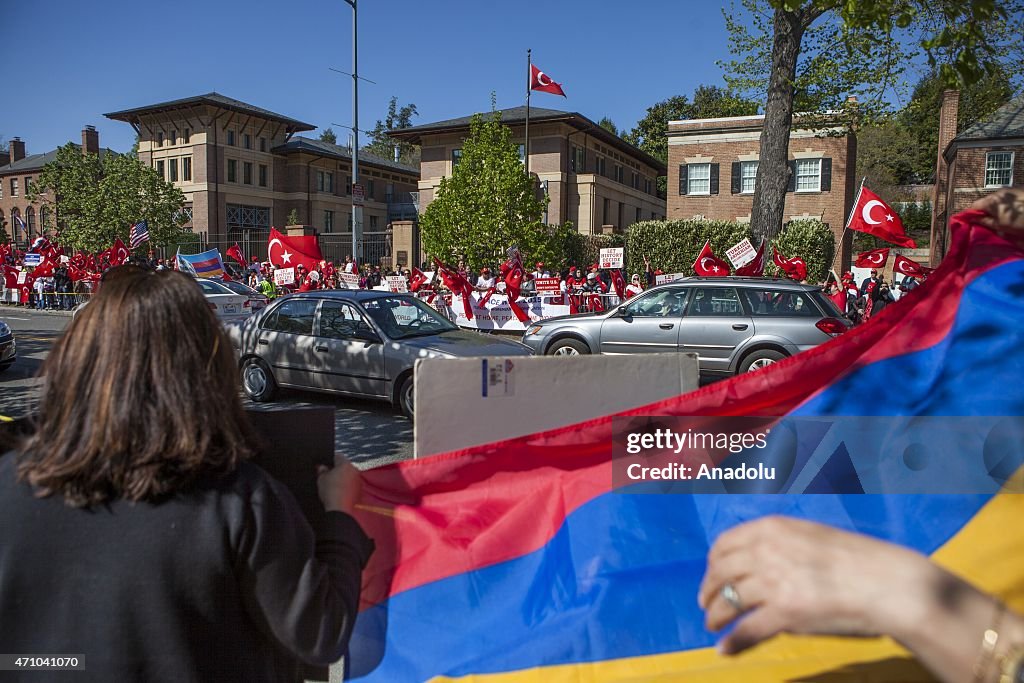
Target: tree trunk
x,y
773,166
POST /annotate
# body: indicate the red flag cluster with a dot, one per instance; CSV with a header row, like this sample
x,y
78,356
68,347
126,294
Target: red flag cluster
x,y
795,268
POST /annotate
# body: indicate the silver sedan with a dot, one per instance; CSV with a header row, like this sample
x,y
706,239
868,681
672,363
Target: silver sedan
x,y
351,342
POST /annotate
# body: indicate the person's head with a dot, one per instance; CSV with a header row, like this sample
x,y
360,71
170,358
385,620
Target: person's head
x,y
485,271
591,276
300,269
314,276
635,279
540,265
874,272
131,406
348,258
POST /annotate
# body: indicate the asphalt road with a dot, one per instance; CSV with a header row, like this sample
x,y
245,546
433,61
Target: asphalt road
x,y
368,433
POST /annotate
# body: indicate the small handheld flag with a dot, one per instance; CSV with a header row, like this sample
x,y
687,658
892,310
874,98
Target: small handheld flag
x,y
139,234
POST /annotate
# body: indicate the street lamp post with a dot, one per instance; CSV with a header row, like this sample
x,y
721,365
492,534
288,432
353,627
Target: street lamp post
x,y
357,209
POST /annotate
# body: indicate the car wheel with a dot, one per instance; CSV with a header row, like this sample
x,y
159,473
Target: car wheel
x,y
568,347
257,380
760,359
405,397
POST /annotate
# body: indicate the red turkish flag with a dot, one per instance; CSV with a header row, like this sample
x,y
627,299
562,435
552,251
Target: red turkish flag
x,y
416,279
235,252
287,252
756,267
119,253
11,277
876,258
541,81
795,268
875,217
44,269
905,266
618,283
708,264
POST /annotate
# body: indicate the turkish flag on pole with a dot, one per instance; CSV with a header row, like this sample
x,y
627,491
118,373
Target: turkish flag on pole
x,y
287,252
119,253
235,252
795,268
756,267
876,258
708,264
875,217
905,266
541,81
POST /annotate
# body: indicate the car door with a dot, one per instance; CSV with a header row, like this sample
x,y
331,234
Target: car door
x,y
647,324
349,353
285,342
715,323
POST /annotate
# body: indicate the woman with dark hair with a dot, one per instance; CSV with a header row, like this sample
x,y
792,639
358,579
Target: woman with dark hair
x,y
136,535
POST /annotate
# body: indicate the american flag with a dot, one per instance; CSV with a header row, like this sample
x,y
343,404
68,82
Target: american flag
x,y
139,234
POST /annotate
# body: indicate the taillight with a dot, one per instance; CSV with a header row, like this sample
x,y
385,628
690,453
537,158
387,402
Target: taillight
x,y
213,307
247,304
831,326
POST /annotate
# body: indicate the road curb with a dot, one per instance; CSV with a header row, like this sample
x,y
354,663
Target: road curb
x,y
36,311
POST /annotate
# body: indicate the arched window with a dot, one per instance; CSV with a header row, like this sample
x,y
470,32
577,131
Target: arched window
x,y
16,230
30,220
2,219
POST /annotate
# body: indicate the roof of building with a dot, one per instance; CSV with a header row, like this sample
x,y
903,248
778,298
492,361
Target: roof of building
x,y
35,162
212,99
515,115
1005,122
301,144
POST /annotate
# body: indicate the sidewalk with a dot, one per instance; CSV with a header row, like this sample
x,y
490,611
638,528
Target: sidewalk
x,y
11,308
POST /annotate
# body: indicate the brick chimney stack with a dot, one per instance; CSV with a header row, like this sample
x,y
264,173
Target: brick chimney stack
x,y
90,140
948,111
17,149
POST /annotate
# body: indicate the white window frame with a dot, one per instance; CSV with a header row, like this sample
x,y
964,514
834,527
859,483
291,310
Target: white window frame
x,y
744,167
988,156
690,178
817,187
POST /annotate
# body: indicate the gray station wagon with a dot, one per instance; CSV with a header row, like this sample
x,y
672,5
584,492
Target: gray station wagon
x,y
733,324
351,342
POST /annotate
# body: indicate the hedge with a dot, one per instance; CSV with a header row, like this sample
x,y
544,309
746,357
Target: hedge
x,y
672,246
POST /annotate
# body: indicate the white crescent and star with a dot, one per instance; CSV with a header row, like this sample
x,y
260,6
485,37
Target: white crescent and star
x,y
875,258
541,77
866,212
286,257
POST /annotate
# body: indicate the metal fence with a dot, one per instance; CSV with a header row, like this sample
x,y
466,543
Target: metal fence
x,y
334,246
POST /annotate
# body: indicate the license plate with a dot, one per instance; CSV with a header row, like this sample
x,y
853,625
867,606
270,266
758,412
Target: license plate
x,y
231,308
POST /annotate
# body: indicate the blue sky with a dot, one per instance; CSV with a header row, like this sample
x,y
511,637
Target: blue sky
x,y
85,58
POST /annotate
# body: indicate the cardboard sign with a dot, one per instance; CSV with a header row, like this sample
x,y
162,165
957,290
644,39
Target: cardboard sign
x,y
284,276
742,253
22,277
33,259
397,283
548,285
670,277
612,257
349,280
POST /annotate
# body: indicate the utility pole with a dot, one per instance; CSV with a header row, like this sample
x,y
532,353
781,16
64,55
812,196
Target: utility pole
x,y
357,208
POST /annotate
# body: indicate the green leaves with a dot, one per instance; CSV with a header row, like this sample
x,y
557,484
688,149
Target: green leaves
x,y
383,146
97,200
489,204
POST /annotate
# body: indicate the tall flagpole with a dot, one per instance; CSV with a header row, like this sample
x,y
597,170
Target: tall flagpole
x,y
529,82
846,227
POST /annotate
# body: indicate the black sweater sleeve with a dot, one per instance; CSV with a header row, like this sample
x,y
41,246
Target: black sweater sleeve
x,y
301,588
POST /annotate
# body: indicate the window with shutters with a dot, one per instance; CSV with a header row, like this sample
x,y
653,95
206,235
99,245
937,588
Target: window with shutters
x,y
698,179
748,174
808,175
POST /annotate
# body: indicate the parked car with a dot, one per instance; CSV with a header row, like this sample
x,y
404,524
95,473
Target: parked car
x,y
226,304
352,342
8,346
733,324
256,301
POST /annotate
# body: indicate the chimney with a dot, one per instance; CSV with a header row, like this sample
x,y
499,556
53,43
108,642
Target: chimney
x,y
17,149
90,140
948,111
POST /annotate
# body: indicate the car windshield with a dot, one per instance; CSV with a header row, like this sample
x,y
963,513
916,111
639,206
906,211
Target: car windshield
x,y
239,288
401,317
210,287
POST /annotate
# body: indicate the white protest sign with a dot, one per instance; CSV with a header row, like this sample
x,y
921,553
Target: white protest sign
x,y
742,253
612,257
284,276
397,283
33,259
350,280
497,314
22,277
669,277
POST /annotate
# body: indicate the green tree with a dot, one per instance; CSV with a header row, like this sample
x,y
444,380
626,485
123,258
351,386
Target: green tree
x,y
328,136
98,199
815,53
885,153
489,204
383,145
709,101
293,217
608,125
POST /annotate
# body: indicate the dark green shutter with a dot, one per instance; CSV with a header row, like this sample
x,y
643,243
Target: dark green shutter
x,y
682,179
736,182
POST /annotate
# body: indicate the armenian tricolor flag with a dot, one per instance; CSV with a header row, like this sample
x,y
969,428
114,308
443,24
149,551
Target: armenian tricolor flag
x,y
517,561
206,264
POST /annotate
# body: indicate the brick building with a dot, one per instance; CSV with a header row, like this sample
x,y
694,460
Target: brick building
x,y
17,174
983,158
593,177
712,165
243,169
